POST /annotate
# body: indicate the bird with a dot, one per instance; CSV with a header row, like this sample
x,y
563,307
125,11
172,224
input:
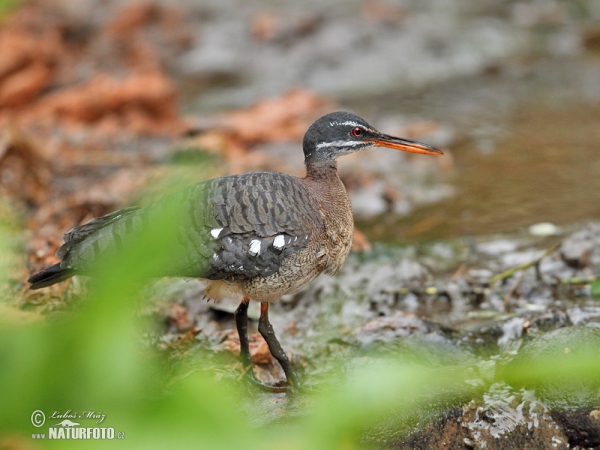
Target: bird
x,y
255,236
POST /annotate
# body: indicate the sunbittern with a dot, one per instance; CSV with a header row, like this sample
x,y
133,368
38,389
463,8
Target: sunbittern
x,y
255,236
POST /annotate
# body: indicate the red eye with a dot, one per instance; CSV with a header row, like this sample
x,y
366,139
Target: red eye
x,y
357,131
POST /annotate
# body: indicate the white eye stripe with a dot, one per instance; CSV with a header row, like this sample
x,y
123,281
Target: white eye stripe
x,y
352,123
343,144
347,122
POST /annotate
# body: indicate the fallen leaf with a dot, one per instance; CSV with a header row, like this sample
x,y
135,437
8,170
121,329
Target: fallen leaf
x,y
283,118
21,87
259,350
360,243
178,315
23,170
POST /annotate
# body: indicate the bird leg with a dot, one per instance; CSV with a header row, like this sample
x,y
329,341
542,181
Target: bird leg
x,y
266,330
241,322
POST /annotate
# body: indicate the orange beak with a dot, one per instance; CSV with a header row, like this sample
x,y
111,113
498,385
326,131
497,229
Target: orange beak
x,y
405,145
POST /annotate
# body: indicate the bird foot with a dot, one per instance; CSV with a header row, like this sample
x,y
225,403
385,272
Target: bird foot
x,y
278,387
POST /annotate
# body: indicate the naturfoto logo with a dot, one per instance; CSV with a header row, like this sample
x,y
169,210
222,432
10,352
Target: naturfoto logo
x,y
70,427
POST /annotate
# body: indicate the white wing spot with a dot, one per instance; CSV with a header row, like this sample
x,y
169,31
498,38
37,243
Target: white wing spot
x,y
279,242
216,232
254,247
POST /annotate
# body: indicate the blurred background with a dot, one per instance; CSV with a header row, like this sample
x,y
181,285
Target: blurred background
x,y
107,103
510,89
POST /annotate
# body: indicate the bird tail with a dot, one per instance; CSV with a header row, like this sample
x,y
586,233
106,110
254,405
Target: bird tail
x,y
75,246
49,276
154,234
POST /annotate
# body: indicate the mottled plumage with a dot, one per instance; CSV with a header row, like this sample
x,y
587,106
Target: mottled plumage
x,y
249,210
255,236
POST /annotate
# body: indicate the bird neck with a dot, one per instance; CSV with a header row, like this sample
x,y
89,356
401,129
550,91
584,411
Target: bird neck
x,y
321,170
322,179
329,196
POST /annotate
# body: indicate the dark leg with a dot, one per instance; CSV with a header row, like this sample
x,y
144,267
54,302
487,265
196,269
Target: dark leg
x,y
266,330
241,322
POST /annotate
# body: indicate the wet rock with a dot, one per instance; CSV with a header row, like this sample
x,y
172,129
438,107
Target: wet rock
x,y
581,427
504,418
518,258
444,432
582,248
378,281
571,396
512,330
497,247
544,321
385,330
572,390
507,419
417,418
583,315
409,334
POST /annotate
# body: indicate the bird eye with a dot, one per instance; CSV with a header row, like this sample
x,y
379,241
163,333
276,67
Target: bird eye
x,y
357,131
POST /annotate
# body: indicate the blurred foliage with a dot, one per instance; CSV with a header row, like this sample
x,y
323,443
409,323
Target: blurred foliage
x,y
184,167
195,156
9,243
595,287
6,6
92,359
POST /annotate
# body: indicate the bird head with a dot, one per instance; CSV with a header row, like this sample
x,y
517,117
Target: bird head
x,y
340,133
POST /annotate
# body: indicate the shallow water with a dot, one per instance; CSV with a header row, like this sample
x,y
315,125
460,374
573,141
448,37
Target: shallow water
x,y
529,158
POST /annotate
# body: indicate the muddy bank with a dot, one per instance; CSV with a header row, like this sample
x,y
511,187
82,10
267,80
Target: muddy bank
x,y
513,303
